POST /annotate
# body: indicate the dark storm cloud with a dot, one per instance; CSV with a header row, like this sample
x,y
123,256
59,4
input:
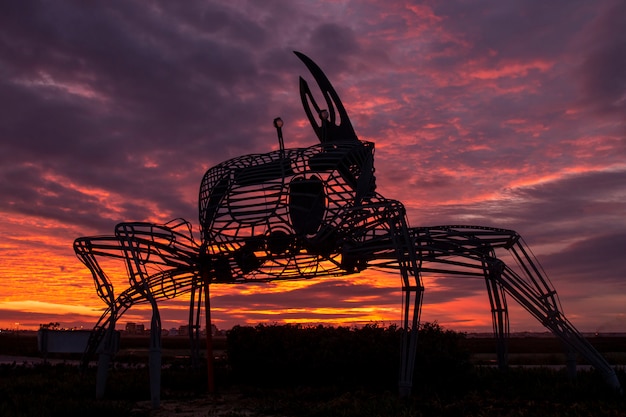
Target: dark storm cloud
x,y
27,192
91,90
582,214
579,204
515,29
335,44
587,204
578,262
603,70
99,92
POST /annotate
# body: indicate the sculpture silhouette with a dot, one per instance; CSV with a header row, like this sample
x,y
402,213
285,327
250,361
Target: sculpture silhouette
x,y
306,213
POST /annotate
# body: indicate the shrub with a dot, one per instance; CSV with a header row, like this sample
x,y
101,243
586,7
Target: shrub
x,y
285,355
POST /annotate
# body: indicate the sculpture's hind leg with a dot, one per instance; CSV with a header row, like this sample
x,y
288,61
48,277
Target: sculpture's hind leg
x,y
471,251
542,302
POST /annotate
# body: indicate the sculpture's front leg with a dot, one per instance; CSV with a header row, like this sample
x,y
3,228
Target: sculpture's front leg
x,y
160,261
474,251
381,239
89,250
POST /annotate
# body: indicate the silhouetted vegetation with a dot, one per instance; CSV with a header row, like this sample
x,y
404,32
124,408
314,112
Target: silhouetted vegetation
x,y
60,390
312,372
295,355
287,355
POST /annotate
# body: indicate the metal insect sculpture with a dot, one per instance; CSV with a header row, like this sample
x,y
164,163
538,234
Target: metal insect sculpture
x,y
306,213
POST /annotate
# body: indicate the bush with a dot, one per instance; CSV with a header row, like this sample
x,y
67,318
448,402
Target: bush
x,y
287,355
442,360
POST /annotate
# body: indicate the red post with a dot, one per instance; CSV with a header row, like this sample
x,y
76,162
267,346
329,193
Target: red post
x,y
209,339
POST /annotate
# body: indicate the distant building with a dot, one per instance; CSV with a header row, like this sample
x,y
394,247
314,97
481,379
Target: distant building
x,y
183,330
134,328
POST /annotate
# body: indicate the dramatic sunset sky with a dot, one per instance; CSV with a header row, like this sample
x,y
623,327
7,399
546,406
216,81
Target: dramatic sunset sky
x,y
508,114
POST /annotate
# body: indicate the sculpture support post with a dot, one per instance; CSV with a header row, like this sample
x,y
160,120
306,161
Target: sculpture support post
x,y
499,310
104,360
155,356
209,339
195,310
412,299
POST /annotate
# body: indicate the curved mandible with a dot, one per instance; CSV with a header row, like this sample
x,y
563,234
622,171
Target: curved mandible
x,y
329,131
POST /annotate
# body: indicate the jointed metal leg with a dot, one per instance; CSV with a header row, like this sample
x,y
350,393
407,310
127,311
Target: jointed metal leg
x,y
195,311
412,293
499,310
412,300
155,356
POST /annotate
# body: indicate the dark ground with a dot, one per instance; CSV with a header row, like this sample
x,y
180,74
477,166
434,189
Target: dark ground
x,y
464,389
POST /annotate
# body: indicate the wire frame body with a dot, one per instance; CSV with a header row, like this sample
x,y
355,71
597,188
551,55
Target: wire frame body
x,y
284,214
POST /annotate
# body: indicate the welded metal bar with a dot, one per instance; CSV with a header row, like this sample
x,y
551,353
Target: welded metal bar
x,y
499,312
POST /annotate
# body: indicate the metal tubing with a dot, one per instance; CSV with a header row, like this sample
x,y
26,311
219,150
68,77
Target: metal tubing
x,y
209,340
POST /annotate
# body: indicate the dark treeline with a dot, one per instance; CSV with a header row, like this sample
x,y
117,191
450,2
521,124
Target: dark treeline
x,y
287,355
293,370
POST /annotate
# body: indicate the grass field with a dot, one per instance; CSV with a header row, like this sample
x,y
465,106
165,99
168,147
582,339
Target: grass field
x,y
463,389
